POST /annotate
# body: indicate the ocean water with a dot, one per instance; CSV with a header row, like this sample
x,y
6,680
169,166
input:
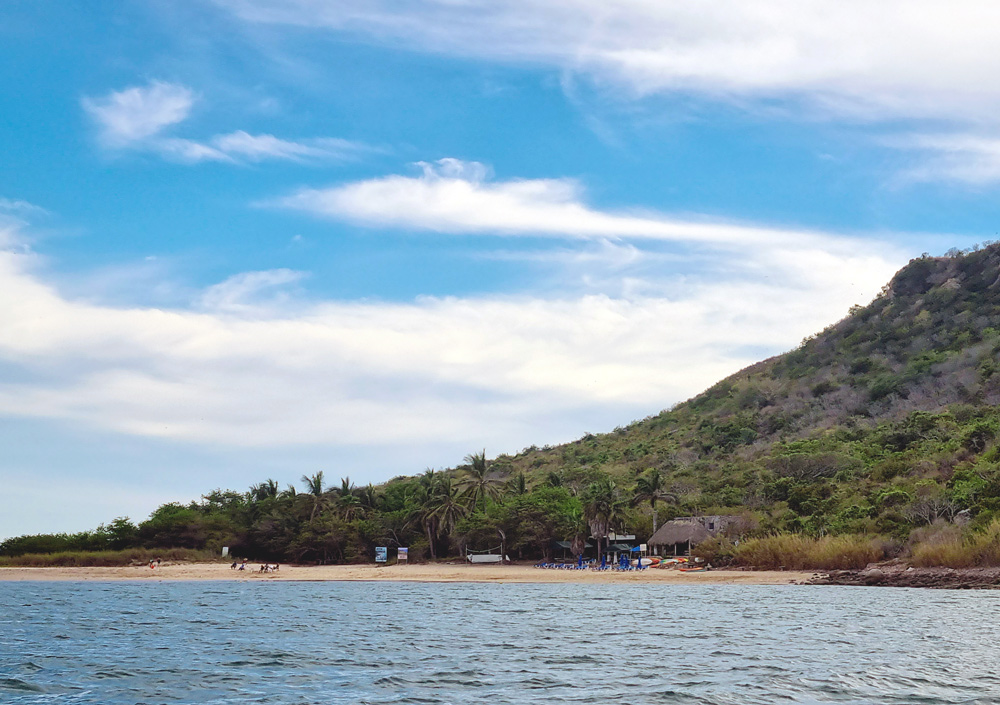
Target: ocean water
x,y
228,642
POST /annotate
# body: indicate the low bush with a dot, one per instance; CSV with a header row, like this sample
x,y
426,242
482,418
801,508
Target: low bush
x,y
798,552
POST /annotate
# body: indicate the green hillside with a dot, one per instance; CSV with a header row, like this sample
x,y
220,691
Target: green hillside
x,y
882,422
880,430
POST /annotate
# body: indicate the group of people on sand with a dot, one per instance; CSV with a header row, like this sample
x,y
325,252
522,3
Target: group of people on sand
x,y
154,563
264,567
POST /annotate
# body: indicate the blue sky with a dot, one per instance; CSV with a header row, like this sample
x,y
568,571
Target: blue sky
x,y
258,238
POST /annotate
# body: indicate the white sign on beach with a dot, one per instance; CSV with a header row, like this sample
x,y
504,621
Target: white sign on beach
x,y
402,554
225,551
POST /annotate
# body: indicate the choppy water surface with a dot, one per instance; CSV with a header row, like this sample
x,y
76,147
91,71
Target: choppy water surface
x,y
413,643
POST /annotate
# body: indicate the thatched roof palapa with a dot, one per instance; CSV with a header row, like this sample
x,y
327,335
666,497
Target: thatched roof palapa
x,y
679,531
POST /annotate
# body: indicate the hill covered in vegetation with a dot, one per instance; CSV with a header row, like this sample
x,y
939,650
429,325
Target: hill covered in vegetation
x,y
877,435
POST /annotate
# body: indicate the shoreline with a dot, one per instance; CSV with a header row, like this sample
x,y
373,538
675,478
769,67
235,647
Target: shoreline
x,y
902,575
422,573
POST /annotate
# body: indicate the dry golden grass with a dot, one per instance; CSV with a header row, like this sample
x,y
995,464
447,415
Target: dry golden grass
x,y
132,556
797,552
952,549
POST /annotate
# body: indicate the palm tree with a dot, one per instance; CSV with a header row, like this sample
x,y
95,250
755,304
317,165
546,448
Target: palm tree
x,y
440,506
651,488
314,487
369,497
427,479
578,529
420,498
446,505
477,479
264,490
602,507
349,507
346,487
518,484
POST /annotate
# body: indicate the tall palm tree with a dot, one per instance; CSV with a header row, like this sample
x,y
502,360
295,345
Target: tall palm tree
x,y
314,488
440,507
446,505
420,498
651,488
478,480
602,507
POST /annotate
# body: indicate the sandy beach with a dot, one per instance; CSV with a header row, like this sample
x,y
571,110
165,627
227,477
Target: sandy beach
x,y
436,573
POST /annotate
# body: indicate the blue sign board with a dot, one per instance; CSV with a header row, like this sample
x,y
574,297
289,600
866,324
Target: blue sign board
x,y
381,554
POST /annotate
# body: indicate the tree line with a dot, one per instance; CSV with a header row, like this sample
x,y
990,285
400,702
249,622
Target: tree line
x,y
436,514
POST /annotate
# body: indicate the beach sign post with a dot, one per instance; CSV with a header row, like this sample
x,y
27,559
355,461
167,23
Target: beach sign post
x,y
381,554
402,554
225,551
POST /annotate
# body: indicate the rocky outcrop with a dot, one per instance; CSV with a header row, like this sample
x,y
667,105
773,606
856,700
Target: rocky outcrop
x,y
906,576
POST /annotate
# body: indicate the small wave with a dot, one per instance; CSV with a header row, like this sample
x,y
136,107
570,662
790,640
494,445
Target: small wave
x,y
565,660
20,686
111,673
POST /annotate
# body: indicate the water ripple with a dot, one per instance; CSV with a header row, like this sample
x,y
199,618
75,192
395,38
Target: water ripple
x,y
382,644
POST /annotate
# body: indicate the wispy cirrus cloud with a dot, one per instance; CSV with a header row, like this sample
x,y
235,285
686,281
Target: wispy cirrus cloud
x,y
970,159
139,113
137,118
896,58
20,206
245,290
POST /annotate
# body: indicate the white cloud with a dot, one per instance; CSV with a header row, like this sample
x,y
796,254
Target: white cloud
x,y
261,147
136,118
969,159
503,371
455,197
140,112
189,151
244,291
20,206
887,59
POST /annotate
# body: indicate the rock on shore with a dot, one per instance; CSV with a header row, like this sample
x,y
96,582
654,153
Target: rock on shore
x,y
906,576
